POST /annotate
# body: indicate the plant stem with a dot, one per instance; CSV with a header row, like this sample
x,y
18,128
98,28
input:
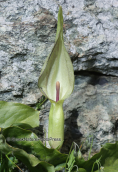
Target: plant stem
x,y
14,163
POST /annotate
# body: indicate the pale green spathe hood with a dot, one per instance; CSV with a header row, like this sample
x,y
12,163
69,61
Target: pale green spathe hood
x,y
57,67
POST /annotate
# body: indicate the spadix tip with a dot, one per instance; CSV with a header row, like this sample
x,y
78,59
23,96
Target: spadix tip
x,y
57,90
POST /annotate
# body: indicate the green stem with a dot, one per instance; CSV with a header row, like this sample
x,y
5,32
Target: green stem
x,y
13,162
56,125
40,104
68,155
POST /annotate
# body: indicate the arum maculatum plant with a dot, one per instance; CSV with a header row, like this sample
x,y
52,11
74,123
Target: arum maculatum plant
x,y
56,82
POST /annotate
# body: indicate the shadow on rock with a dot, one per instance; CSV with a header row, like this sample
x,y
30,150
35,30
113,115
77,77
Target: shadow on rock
x,y
72,132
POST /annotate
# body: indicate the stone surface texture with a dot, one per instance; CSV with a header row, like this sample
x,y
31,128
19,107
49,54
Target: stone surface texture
x,y
27,35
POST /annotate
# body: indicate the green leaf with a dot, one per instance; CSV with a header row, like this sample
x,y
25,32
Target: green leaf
x,y
110,165
108,156
30,160
11,113
60,167
23,125
34,147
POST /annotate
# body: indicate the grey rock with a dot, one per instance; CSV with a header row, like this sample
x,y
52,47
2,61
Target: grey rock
x,y
27,35
24,44
91,111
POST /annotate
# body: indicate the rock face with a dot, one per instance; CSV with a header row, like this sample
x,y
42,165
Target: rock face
x,y
92,112
27,35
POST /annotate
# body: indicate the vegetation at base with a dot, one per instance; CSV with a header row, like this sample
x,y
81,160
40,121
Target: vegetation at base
x,y
41,101
8,163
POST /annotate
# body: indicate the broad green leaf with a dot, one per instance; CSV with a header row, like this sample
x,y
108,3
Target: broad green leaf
x,y
57,67
108,156
111,164
11,113
30,160
22,125
34,147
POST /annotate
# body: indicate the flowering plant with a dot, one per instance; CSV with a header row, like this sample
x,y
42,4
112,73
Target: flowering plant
x,y
56,82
